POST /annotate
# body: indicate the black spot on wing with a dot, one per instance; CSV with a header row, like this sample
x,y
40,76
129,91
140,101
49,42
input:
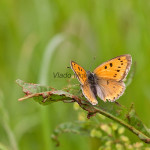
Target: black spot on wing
x,y
111,64
115,75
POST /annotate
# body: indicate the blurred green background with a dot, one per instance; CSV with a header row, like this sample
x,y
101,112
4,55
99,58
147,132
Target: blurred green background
x,y
39,37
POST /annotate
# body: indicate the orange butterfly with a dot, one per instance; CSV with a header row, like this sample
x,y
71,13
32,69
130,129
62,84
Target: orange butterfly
x,y
106,81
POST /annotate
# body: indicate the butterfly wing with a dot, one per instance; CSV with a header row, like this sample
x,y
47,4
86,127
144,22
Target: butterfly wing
x,y
79,72
87,92
82,77
110,75
116,68
110,89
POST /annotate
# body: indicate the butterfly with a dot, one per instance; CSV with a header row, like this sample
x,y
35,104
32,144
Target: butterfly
x,y
106,81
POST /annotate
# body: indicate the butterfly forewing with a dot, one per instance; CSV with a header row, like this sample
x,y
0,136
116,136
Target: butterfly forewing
x,y
79,72
116,68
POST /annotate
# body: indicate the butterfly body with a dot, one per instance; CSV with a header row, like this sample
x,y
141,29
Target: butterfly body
x,y
106,81
92,82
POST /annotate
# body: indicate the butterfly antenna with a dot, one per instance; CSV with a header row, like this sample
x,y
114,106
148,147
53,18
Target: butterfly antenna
x,y
69,67
92,62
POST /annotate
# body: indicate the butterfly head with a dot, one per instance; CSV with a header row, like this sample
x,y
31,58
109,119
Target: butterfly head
x,y
88,73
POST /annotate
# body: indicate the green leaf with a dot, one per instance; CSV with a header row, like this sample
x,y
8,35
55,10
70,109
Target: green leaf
x,y
69,127
86,128
126,117
42,94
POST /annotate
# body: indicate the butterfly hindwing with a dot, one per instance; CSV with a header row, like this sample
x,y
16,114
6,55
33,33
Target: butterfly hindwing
x,y
87,92
79,72
110,89
116,68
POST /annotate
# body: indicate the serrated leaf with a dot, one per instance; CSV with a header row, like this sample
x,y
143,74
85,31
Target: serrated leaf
x,y
69,127
42,94
126,117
